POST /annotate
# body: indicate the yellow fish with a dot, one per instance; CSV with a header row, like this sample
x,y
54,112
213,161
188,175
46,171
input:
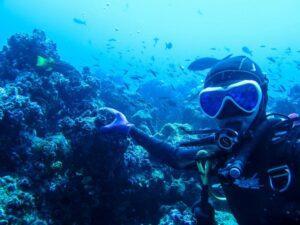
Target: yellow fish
x,y
45,63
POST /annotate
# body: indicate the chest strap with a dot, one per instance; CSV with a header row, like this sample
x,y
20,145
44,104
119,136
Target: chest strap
x,y
280,178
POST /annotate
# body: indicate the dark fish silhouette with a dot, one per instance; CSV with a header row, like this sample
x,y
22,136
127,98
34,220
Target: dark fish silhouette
x,y
271,59
280,89
79,21
247,50
199,12
169,45
288,50
126,85
153,73
125,72
156,39
298,64
205,63
136,77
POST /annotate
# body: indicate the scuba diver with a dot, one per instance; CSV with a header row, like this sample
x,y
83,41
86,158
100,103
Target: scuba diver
x,y
254,156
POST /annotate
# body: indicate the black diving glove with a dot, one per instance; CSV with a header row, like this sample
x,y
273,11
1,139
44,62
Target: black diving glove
x,y
203,210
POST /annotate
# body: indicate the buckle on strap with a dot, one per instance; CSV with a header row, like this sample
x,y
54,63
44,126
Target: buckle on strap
x,y
280,178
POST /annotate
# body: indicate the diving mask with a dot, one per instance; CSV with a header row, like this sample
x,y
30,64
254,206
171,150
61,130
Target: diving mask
x,y
246,95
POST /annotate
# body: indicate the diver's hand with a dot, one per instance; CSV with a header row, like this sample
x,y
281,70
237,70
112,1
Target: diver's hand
x,y
120,125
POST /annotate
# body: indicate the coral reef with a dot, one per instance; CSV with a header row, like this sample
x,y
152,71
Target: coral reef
x,y
49,119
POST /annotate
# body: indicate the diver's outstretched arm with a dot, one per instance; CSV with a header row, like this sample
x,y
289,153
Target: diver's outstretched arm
x,y
173,156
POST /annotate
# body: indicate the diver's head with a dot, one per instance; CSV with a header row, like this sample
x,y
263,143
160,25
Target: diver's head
x,y
235,94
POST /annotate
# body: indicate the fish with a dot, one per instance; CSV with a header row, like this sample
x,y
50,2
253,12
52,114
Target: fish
x,y
169,45
297,62
79,21
262,46
136,77
112,40
288,50
155,41
205,63
125,72
247,50
153,73
271,59
126,86
273,49
281,89
45,63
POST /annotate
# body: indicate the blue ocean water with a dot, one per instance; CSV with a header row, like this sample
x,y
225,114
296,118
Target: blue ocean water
x,y
193,27
56,167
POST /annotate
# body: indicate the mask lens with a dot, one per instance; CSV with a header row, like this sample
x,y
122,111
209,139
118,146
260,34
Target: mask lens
x,y
211,102
246,96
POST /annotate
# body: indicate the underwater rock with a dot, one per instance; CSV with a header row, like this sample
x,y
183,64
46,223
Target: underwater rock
x,y
225,218
141,117
22,51
16,205
143,120
178,214
172,132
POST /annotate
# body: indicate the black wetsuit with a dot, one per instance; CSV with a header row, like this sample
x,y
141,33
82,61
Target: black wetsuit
x,y
250,205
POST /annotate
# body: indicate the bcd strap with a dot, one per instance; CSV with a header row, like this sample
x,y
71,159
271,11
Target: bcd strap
x,y
280,178
204,167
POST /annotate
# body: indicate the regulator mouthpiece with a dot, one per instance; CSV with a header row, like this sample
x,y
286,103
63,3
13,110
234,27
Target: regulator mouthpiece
x,y
227,138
